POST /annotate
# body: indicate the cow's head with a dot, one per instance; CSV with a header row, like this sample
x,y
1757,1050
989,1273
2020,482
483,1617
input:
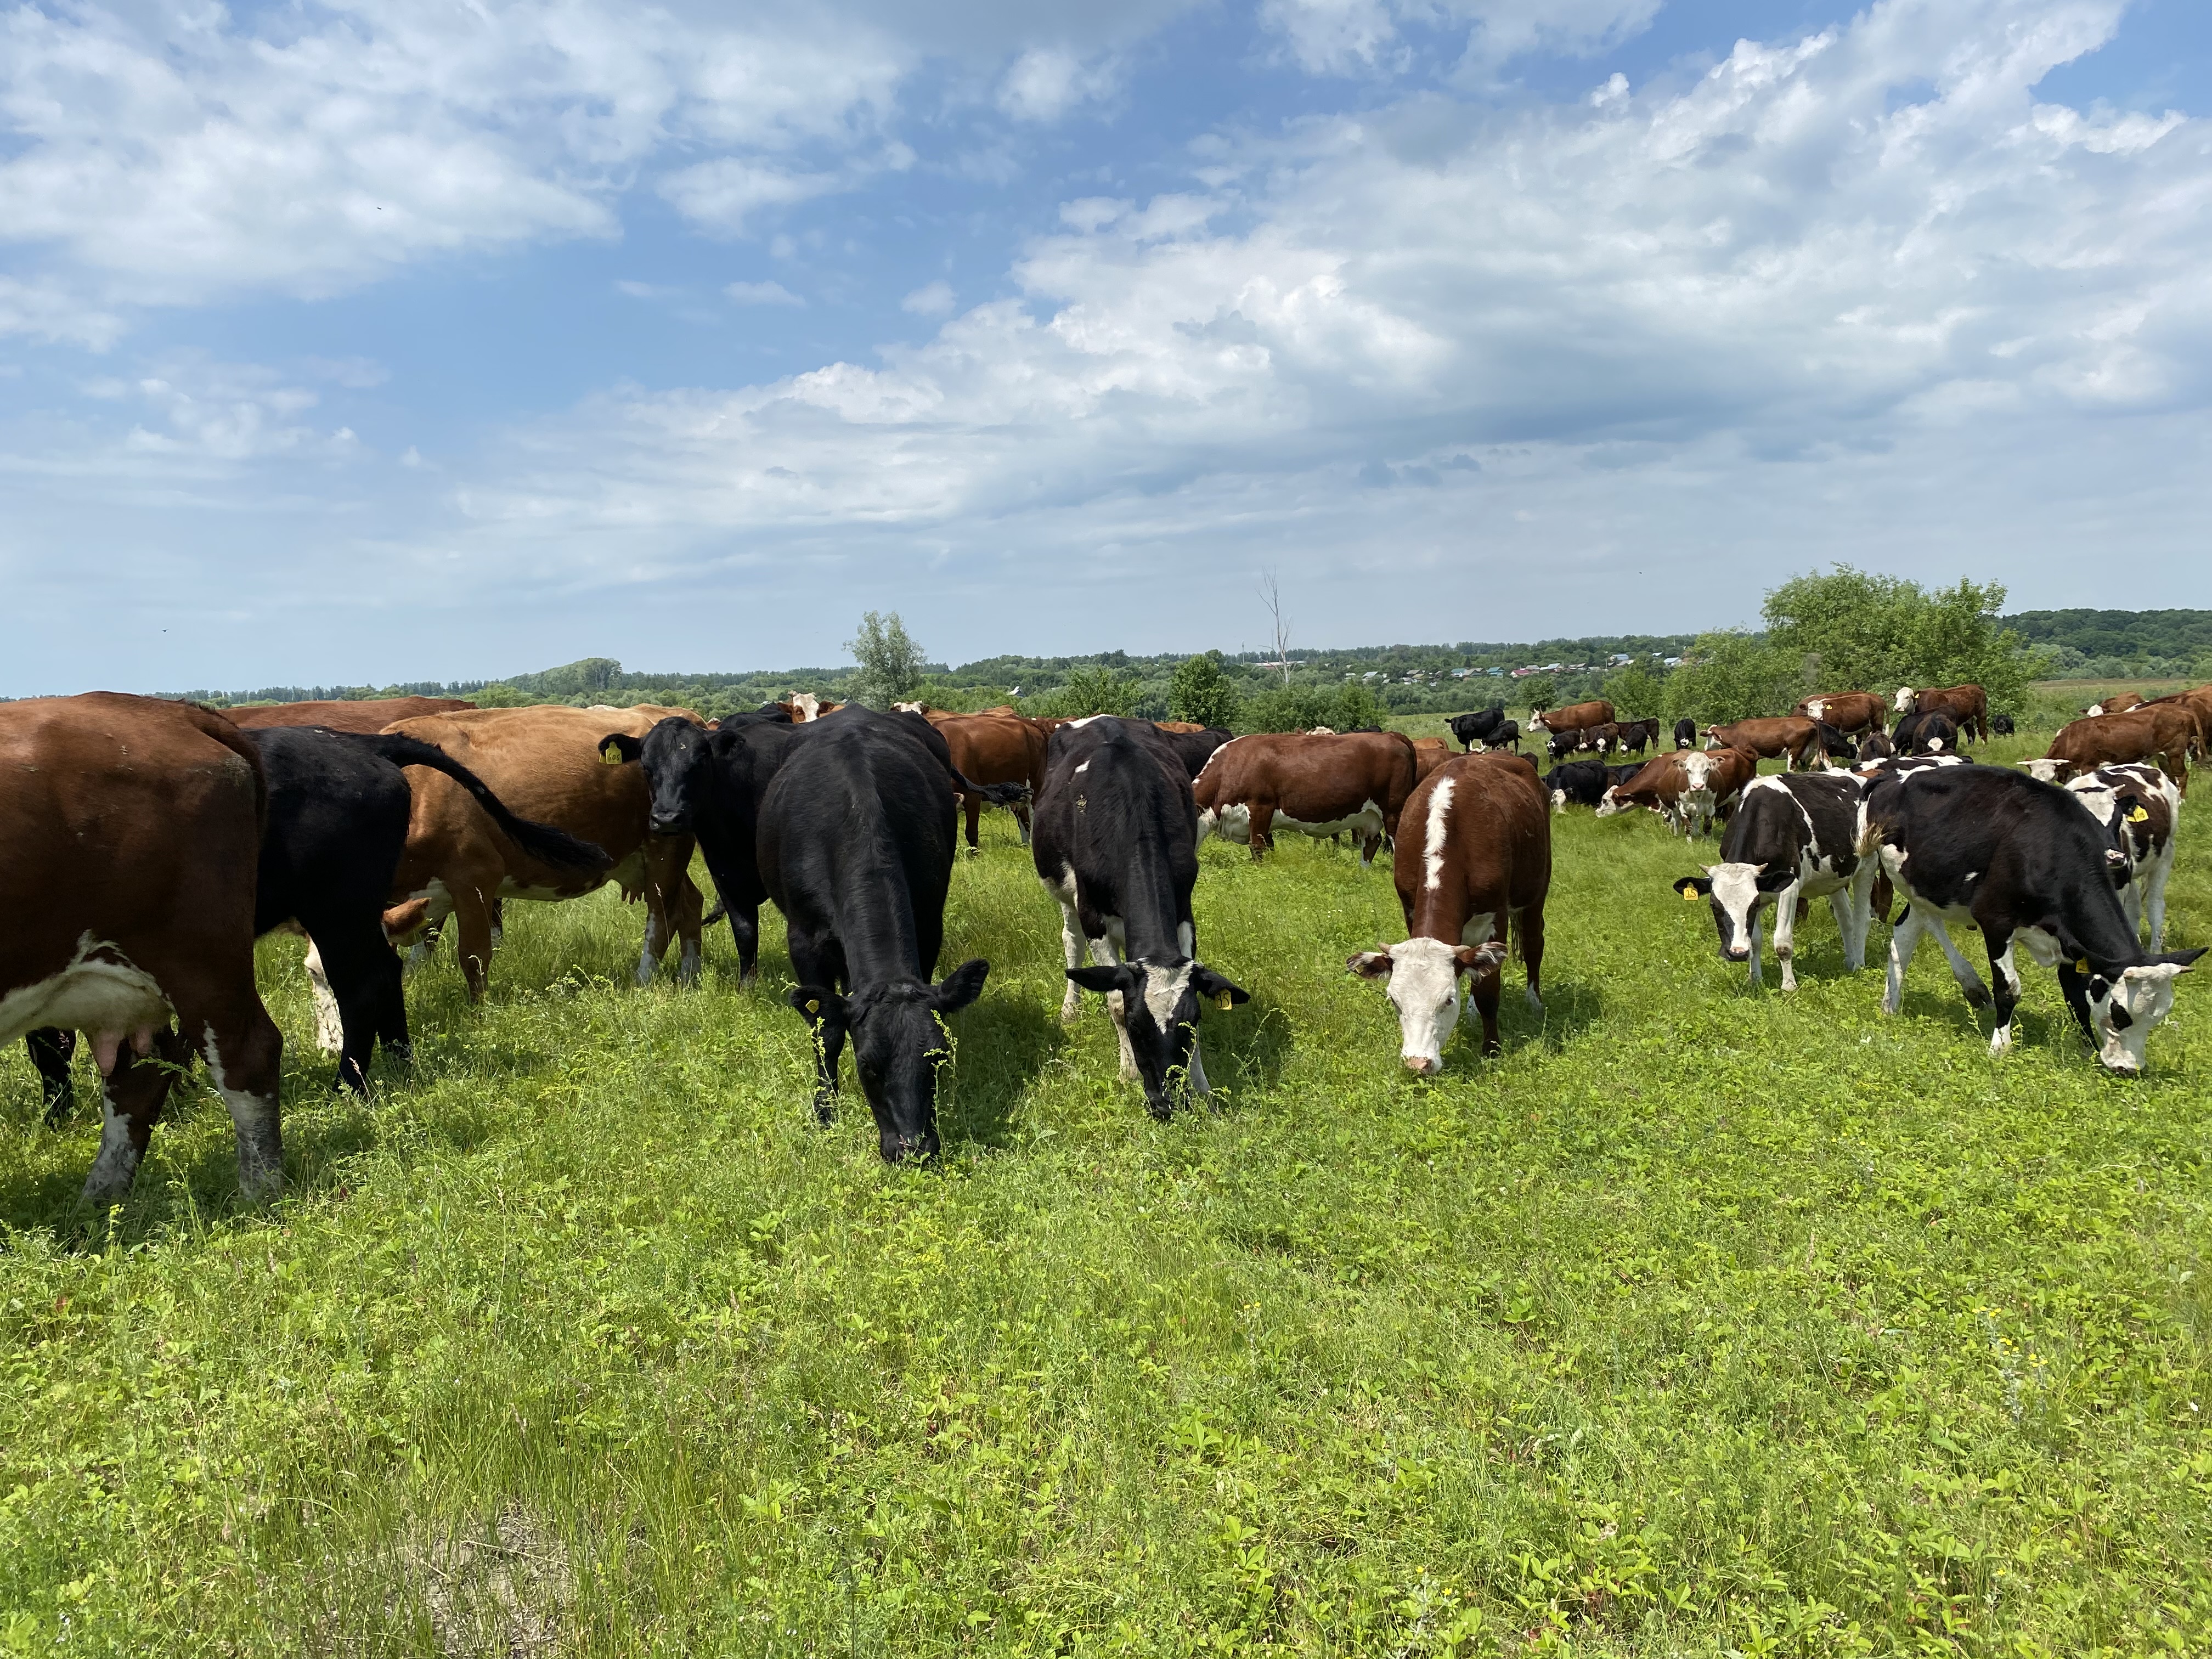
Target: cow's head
x,y
676,755
2047,770
1696,770
898,1041
1735,892
1904,700
2123,1010
1160,1003
1422,977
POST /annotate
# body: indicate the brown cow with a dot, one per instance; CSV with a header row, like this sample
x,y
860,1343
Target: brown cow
x,y
133,829
1429,753
1847,711
1967,706
370,714
544,763
994,749
1474,874
2118,703
1573,718
2167,730
1657,787
2198,703
1790,736
1179,726
1356,782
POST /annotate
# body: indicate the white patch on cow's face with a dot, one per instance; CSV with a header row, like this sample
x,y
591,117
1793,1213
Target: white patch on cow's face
x,y
1424,987
1904,701
1697,769
1439,830
1559,800
1163,988
2043,771
2146,993
1735,896
1817,710
1610,803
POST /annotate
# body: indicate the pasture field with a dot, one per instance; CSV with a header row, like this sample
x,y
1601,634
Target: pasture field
x,y
1701,1322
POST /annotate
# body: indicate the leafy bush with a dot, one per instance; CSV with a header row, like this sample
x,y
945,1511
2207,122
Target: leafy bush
x,y
1095,690
1200,692
890,661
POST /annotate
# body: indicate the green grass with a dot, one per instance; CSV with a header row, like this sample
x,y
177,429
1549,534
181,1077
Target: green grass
x,y
1700,1322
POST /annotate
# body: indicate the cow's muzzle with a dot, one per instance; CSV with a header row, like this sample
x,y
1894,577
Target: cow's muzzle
x,y
1422,1065
670,823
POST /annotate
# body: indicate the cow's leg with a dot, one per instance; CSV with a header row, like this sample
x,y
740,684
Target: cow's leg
x,y
1369,846
690,931
1262,818
498,922
1977,993
2074,986
2004,975
363,978
2153,899
745,933
821,962
1840,907
330,1025
1904,941
972,805
50,1049
1482,994
245,1053
1071,948
1022,816
435,909
1530,922
1853,914
472,926
131,1091
1102,953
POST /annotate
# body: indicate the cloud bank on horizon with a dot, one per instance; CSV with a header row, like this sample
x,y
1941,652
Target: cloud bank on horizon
x,y
342,344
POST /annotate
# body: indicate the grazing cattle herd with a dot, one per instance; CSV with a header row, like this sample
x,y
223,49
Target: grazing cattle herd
x,y
150,842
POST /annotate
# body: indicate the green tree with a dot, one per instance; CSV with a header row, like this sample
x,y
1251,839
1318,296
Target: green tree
x,y
1731,676
1536,691
1848,630
1634,692
1094,690
1285,708
890,662
1201,692
1353,708
1957,639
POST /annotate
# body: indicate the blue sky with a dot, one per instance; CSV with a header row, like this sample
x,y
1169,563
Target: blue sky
x,y
363,344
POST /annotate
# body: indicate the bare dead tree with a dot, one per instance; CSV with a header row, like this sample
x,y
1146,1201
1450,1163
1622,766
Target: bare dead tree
x,y
1271,595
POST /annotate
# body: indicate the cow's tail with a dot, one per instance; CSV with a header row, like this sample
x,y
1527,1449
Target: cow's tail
x,y
541,842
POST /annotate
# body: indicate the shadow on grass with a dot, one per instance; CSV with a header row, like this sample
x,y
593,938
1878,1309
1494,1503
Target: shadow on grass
x,y
1571,1006
1247,1048
1005,1042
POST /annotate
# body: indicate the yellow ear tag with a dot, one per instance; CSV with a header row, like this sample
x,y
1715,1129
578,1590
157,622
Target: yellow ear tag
x,y
1224,1002
813,1006
2082,966
2136,815
1689,896
610,756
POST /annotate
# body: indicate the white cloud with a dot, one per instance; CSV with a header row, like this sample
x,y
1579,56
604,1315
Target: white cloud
x,y
1045,83
1345,37
933,299
762,294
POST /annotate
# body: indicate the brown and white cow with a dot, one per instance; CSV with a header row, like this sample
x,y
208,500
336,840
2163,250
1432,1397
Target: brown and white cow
x,y
1575,717
2168,731
994,749
1968,706
1847,711
2118,703
1429,753
370,714
132,829
2138,806
2199,703
1354,783
1790,736
545,764
1472,873
804,705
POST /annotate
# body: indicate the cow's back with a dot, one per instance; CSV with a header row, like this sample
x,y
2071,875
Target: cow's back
x,y
1314,779
370,714
1499,835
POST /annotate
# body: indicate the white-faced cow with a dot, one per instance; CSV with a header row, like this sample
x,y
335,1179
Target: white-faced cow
x,y
132,829
1791,837
1849,712
1355,783
1968,706
1472,879
1116,846
2019,859
856,838
2139,807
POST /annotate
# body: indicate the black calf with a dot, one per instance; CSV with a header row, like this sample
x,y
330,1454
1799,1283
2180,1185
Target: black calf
x,y
1686,733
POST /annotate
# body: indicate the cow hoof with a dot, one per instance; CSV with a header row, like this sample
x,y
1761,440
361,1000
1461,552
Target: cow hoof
x,y
1978,996
747,978
825,1107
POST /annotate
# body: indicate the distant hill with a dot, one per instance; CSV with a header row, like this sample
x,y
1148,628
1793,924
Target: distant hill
x,y
2117,644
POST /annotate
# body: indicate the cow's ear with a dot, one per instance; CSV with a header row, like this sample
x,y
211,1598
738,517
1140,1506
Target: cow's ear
x,y
1112,976
1476,958
1369,964
822,1007
2183,959
1216,988
617,747
1774,880
1695,887
959,988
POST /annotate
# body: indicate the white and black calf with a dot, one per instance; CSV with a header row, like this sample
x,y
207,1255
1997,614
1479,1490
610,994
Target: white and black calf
x,y
1116,844
2021,860
1686,733
1578,783
1793,836
2139,806
856,837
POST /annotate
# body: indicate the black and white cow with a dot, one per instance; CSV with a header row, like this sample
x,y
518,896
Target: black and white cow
x,y
1833,746
2021,860
2001,725
1794,835
1686,733
1116,845
2139,806
1632,737
1578,783
855,838
1479,727
1932,733
1876,745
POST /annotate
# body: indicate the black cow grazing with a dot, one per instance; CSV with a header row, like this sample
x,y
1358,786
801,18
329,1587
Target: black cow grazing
x,y
1832,744
1686,733
2019,859
1560,744
1116,844
2001,725
1792,837
855,838
1934,734
1876,745
1507,735
1578,783
1479,728
1632,737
